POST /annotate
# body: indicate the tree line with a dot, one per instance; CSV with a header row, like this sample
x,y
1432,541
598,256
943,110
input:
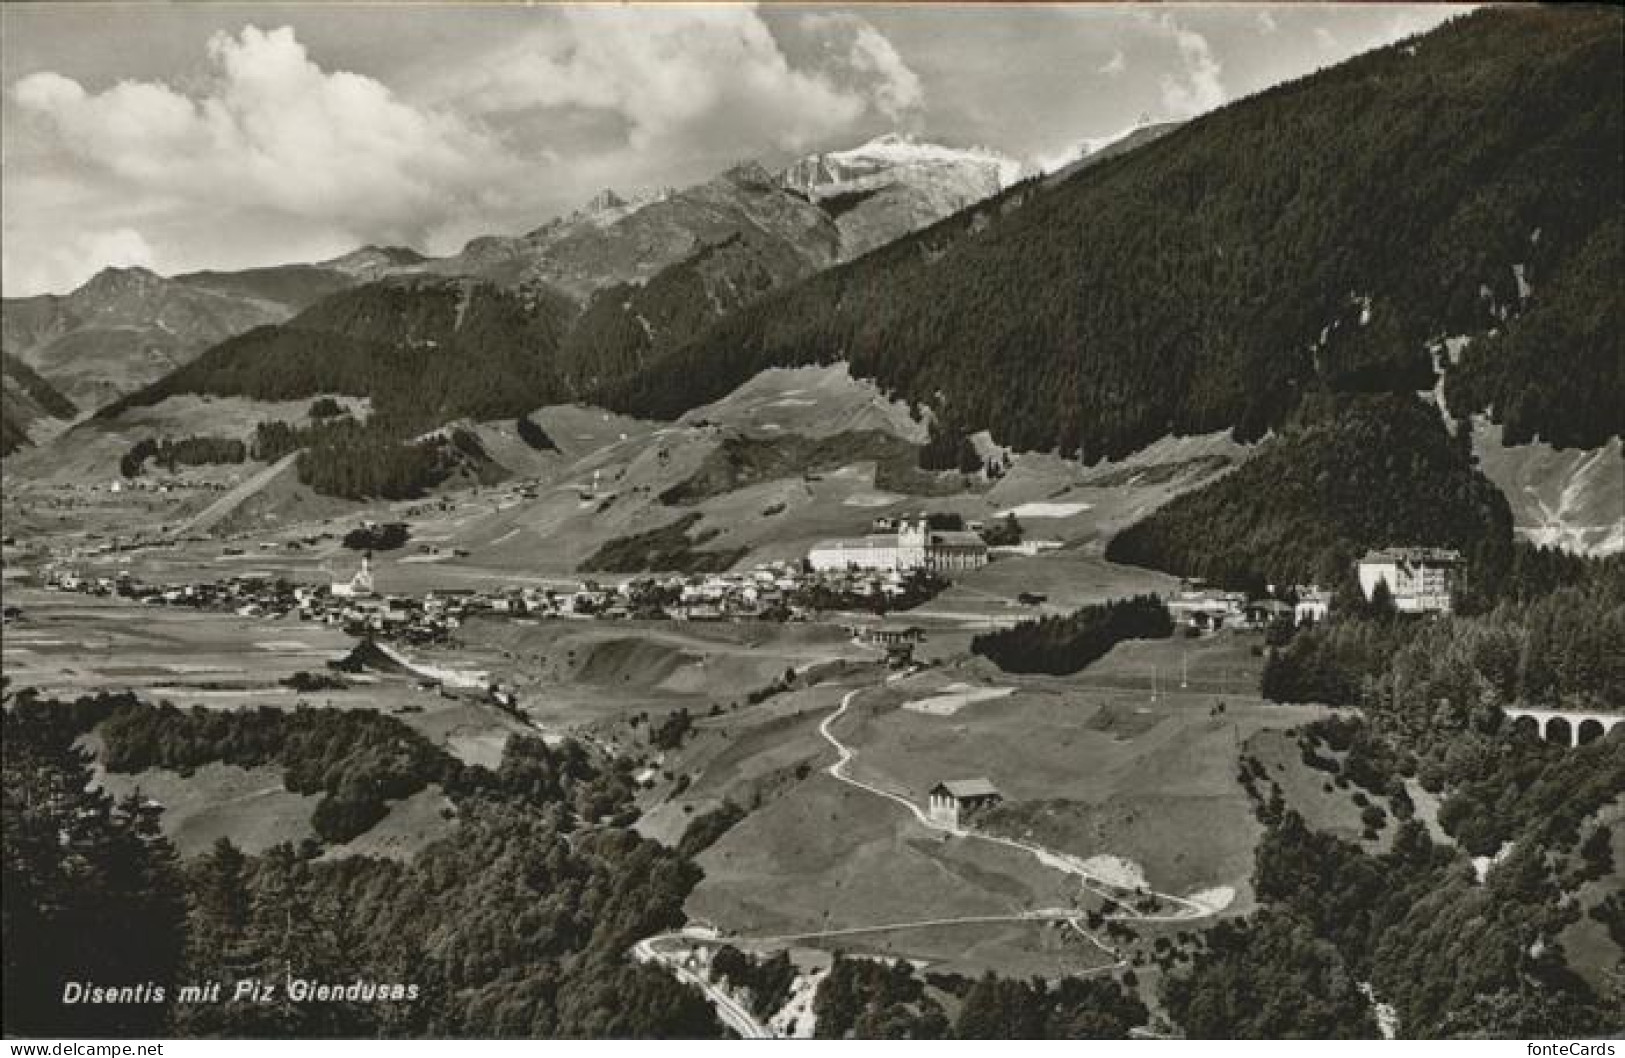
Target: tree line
x,y
872,999
186,451
1063,645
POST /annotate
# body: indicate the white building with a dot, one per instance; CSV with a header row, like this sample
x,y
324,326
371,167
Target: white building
x,y
951,799
1419,579
914,546
1313,606
1205,608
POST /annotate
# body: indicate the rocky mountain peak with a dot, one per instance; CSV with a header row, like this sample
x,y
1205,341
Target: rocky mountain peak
x,y
116,280
605,199
751,175
894,155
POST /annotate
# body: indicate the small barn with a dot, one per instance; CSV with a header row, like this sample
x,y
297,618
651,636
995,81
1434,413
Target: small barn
x,y
952,799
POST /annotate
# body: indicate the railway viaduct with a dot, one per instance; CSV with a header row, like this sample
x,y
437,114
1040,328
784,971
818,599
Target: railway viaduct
x,y
1566,725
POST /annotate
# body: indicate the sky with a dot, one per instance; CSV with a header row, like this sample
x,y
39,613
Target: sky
x,y
230,135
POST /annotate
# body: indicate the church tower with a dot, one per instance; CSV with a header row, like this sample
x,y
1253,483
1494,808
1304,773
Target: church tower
x,y
912,540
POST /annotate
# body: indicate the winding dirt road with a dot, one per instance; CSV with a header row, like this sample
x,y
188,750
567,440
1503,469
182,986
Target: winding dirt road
x,y
1060,861
740,1020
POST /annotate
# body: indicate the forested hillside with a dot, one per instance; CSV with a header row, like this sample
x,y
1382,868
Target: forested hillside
x,y
126,327
425,349
517,924
25,399
1359,472
1522,944
626,325
1326,232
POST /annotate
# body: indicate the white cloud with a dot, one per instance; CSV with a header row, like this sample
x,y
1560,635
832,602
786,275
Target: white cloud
x,y
1197,88
896,88
1114,66
1325,38
273,132
273,156
710,77
65,263
1266,22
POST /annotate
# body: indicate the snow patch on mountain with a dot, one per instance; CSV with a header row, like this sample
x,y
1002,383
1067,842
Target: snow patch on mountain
x,y
835,172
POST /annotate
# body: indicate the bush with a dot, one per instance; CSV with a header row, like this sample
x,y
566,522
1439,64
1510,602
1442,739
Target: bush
x,y
378,536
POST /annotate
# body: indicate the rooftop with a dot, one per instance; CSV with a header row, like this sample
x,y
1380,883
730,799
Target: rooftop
x,y
965,788
1436,555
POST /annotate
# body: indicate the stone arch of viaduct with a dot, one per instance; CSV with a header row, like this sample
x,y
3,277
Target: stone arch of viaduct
x,y
1567,725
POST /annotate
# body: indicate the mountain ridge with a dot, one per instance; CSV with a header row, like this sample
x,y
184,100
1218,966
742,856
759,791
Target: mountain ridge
x,y
1318,235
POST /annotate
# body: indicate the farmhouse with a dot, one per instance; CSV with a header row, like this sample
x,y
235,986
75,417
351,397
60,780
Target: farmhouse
x,y
1419,579
951,799
915,545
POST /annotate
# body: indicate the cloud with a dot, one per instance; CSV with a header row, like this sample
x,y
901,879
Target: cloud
x,y
896,88
65,263
1325,38
709,77
272,157
273,132
1266,22
1114,66
1197,88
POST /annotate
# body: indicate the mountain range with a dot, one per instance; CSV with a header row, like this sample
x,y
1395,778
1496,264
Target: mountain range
x,y
893,185
129,326
1328,233
727,241
1436,221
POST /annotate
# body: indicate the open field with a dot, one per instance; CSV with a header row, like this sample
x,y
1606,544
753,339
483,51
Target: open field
x,y
1091,765
1145,787
73,644
1017,949
1591,952
826,856
1087,769
248,805
604,482
595,674
745,756
253,808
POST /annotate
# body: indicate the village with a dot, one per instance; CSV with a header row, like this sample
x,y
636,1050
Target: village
x,y
777,591
896,573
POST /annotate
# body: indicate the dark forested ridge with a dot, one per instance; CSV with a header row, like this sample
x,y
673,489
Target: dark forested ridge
x,y
625,326
1327,231
517,924
25,398
1358,472
426,350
